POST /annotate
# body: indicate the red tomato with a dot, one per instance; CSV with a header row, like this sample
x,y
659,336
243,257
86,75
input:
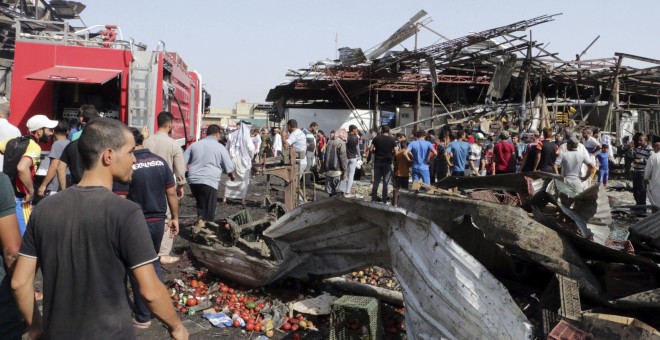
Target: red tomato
x,y
296,336
309,324
191,302
257,328
294,328
237,323
300,317
286,326
249,326
224,289
231,290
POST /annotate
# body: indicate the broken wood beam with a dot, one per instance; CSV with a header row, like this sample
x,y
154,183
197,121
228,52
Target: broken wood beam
x,y
387,295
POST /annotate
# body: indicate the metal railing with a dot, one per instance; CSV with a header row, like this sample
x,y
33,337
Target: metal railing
x,y
56,32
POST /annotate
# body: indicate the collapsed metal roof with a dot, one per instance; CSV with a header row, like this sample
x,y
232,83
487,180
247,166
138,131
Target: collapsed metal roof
x,y
495,65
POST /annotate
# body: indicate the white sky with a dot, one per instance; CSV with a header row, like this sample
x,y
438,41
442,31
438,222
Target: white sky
x,y
242,48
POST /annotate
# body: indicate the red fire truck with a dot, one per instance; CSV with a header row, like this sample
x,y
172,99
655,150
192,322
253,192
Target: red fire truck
x,y
58,70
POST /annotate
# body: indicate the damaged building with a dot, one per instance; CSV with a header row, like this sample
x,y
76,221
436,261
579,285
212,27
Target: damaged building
x,y
500,74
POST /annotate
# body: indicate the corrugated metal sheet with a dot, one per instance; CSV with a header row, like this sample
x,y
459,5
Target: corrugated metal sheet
x,y
448,293
512,228
649,228
590,209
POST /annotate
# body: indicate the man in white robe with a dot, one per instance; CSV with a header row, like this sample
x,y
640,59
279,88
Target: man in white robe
x,y
652,176
241,150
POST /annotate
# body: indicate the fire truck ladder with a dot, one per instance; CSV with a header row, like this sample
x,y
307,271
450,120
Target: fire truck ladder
x,y
348,101
140,101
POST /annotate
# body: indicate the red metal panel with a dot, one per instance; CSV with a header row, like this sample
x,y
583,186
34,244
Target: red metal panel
x,y
75,75
182,83
36,96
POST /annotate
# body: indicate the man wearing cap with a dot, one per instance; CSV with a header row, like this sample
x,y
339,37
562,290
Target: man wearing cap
x,y
7,130
22,157
475,162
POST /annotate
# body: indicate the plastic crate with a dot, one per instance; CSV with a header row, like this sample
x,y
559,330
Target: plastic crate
x,y
549,320
621,246
562,295
349,311
566,331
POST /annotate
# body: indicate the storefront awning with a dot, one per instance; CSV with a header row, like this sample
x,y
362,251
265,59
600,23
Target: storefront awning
x,y
69,74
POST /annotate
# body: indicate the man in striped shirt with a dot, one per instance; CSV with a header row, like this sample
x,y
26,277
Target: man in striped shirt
x,y
642,154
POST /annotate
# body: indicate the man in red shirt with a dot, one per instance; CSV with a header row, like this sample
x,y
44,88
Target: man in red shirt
x,y
504,155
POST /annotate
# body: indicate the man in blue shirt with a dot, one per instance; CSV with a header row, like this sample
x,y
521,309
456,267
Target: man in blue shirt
x,y
457,153
207,159
420,151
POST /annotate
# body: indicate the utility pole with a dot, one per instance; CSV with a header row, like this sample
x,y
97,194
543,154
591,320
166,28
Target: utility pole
x,y
336,45
418,108
526,65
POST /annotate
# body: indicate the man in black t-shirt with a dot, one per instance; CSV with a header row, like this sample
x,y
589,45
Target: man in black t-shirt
x,y
70,158
382,148
153,188
352,154
84,257
548,153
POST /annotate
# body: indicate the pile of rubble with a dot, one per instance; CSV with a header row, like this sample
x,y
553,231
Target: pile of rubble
x,y
563,256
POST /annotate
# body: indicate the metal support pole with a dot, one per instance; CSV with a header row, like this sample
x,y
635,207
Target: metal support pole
x,y
418,108
376,114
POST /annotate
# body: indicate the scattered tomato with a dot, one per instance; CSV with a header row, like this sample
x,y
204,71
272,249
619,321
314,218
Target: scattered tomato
x,y
237,324
249,326
286,326
194,283
191,302
294,328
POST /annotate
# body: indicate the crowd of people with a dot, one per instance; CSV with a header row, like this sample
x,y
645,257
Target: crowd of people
x,y
116,222
581,156
105,230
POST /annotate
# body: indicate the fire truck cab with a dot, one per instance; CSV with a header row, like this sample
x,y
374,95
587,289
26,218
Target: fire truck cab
x,y
57,71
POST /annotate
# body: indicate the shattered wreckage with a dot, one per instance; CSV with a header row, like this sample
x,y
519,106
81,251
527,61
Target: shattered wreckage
x,y
510,256
493,261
